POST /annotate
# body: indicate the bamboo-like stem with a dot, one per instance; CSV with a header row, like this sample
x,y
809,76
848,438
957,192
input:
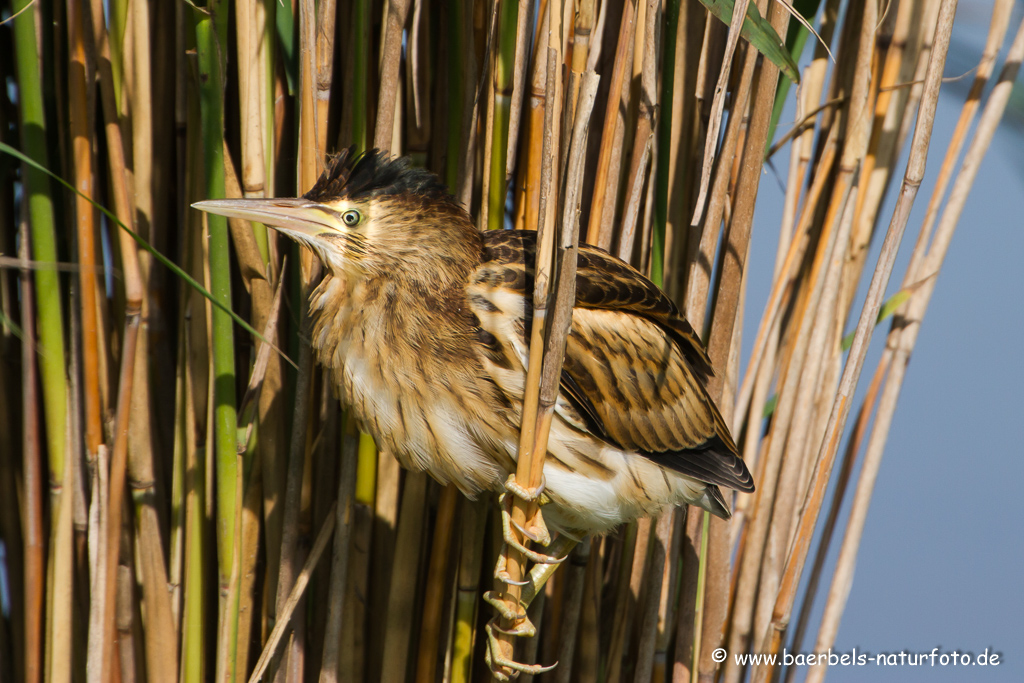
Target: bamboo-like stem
x,y
571,609
471,95
360,72
329,672
643,141
698,283
86,231
667,125
118,467
487,93
211,39
606,179
402,593
621,613
32,471
131,659
386,502
842,484
649,609
544,369
251,31
467,600
986,65
528,190
717,107
101,639
434,594
87,339
734,261
289,568
507,57
49,314
458,89
394,22
698,618
227,635
778,295
795,398
523,20
841,407
814,310
900,62
324,70
301,581
194,435
903,335
754,555
160,636
727,296
530,462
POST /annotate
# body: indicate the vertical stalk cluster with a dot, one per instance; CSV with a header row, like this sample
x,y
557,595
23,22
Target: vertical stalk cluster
x,y
175,470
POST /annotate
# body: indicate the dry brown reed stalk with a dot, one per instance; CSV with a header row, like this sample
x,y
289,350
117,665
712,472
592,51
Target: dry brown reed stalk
x,y
528,190
32,471
606,179
402,596
840,410
924,266
343,525
540,385
301,581
132,313
436,588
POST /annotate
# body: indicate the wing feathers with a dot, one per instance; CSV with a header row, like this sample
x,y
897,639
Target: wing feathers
x,y
634,372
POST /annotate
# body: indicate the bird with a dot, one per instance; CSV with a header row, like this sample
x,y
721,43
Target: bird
x,y
424,324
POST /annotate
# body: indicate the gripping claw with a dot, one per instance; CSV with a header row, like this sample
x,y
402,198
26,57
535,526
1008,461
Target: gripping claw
x,y
503,668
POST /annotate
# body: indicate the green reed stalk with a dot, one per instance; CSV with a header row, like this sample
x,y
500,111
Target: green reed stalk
x,y
49,311
503,68
211,38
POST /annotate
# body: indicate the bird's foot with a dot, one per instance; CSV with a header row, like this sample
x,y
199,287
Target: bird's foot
x,y
511,619
504,668
507,524
512,613
537,530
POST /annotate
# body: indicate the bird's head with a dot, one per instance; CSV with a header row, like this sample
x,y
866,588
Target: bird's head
x,y
370,215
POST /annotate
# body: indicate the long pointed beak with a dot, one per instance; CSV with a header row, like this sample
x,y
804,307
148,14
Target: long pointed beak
x,y
297,216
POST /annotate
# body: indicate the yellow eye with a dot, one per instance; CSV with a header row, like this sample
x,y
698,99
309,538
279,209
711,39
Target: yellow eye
x,y
351,218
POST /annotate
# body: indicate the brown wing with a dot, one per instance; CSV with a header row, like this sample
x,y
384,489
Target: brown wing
x,y
635,371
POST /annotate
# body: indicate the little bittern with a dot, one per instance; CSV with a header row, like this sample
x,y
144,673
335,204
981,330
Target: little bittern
x,y
424,322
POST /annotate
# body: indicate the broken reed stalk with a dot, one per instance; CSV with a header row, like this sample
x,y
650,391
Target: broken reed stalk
x,y
294,596
344,513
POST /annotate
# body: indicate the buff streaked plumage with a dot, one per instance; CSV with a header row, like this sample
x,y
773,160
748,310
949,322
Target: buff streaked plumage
x,y
423,321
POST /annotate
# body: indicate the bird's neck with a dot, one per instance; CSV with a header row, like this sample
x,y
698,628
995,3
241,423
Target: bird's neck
x,y
387,316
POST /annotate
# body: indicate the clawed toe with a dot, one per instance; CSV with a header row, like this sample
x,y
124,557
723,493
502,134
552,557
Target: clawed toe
x,y
503,668
511,617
